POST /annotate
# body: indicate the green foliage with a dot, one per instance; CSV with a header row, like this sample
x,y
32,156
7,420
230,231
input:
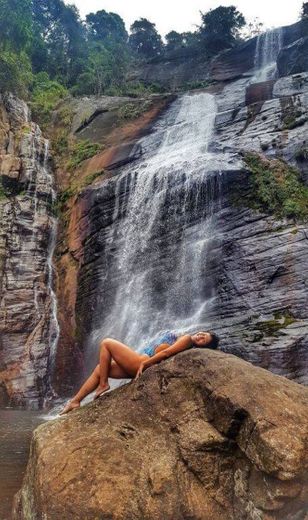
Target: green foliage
x,y
92,57
174,41
273,326
135,90
81,151
89,179
64,196
144,39
60,40
106,69
107,27
15,25
276,188
291,113
46,94
133,110
220,28
15,72
60,143
181,45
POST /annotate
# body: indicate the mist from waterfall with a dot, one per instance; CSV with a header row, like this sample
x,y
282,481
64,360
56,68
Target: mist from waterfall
x,y
268,47
163,231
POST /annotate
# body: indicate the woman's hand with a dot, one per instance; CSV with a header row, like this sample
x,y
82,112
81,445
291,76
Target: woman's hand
x,y
140,370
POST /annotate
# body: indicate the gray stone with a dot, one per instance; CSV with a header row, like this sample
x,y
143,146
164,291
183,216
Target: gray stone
x,y
25,237
293,59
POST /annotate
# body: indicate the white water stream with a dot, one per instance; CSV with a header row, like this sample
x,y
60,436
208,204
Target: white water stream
x,y
268,47
163,231
40,187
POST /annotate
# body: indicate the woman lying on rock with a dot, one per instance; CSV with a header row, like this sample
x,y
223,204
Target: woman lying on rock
x,y
118,361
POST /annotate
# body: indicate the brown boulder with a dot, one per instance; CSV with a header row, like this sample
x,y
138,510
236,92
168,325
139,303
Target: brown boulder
x,y
204,435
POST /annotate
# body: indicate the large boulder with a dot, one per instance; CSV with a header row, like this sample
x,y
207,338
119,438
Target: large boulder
x,y
204,435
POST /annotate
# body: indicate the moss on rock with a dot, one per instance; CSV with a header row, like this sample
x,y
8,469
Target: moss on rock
x,y
274,325
276,188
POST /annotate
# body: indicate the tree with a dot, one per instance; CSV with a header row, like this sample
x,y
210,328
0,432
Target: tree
x,y
15,25
15,72
144,39
252,29
304,13
220,28
106,27
174,41
59,46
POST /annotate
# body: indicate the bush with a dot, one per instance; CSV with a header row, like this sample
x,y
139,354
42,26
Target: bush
x,y
276,188
15,73
46,94
131,111
81,151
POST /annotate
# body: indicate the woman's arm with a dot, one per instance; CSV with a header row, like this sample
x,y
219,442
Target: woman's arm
x,y
183,343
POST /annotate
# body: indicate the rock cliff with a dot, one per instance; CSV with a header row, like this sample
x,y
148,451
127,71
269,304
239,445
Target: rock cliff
x,y
28,325
249,266
203,435
158,230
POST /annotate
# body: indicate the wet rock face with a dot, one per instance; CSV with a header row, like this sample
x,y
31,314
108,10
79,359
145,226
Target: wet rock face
x,y
202,435
237,62
26,223
250,269
293,59
173,74
261,285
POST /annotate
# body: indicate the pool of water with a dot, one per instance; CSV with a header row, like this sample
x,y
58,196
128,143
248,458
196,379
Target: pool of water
x,y
16,427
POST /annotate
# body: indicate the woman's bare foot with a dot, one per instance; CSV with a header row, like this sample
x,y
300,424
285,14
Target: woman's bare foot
x,y
71,405
101,389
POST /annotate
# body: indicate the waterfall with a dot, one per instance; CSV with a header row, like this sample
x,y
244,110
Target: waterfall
x,y
160,244
268,47
41,195
54,329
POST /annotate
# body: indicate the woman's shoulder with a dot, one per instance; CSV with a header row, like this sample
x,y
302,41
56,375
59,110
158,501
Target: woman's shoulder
x,y
185,337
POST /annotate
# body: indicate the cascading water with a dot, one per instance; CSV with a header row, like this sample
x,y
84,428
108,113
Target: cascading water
x,y
54,329
157,249
40,186
268,47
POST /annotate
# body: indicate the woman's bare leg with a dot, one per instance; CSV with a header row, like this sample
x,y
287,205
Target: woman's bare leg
x,y
125,357
115,372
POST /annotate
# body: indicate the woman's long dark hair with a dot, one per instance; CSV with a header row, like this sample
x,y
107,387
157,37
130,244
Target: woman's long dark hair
x,y
213,345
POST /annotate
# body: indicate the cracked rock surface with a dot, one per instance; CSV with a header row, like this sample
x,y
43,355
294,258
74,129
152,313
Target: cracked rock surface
x,y
26,226
204,435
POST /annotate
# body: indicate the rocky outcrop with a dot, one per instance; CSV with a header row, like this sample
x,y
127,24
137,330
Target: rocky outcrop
x,y
203,435
254,284
293,59
181,72
27,306
239,61
187,72
261,282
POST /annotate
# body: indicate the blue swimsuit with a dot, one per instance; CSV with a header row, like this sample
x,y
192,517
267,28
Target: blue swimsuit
x,y
168,337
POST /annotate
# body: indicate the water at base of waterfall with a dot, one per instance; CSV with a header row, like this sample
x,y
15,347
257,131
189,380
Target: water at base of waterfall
x,y
268,47
164,230
16,428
